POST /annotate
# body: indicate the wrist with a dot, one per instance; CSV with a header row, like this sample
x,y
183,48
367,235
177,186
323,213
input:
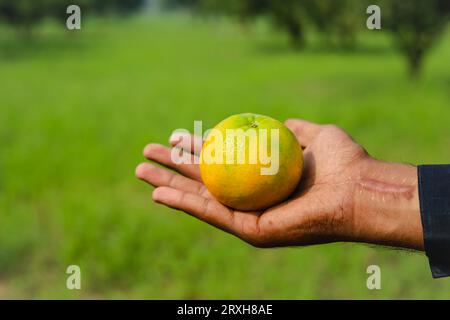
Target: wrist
x,y
386,205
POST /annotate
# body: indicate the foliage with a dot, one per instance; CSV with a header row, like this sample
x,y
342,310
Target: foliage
x,y
337,21
416,26
24,14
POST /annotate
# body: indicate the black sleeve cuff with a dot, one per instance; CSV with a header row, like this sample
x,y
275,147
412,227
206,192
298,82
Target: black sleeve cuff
x,y
434,197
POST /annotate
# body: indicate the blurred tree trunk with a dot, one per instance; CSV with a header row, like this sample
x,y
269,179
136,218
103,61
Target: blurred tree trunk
x,y
297,36
27,31
415,61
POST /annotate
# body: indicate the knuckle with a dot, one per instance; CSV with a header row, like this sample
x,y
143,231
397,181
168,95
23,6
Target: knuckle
x,y
290,121
207,206
203,191
257,242
332,127
361,152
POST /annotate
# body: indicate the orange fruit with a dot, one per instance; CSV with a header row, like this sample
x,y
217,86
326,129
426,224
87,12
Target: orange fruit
x,y
251,162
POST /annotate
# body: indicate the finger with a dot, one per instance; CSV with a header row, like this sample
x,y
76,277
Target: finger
x,y
159,177
305,131
163,155
188,142
208,210
301,218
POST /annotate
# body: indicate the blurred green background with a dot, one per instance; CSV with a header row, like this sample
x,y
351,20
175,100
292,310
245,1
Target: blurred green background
x,y
77,108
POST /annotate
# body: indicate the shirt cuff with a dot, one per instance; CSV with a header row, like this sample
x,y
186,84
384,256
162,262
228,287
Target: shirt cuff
x,y
434,197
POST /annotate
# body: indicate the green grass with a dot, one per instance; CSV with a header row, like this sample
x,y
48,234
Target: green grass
x,y
77,109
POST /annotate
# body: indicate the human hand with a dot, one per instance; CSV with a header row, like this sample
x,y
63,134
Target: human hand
x,y
344,195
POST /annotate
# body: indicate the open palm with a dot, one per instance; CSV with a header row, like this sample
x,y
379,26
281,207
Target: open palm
x,y
319,211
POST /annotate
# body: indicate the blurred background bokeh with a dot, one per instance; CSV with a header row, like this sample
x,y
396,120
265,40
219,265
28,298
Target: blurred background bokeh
x,y
77,108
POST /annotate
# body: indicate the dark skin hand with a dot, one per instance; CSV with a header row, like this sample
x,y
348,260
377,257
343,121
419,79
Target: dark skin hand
x,y
344,195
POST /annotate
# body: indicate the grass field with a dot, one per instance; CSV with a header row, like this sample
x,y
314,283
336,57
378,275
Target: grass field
x,y
76,110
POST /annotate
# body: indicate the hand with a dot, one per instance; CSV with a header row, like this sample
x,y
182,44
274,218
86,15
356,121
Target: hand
x,y
344,195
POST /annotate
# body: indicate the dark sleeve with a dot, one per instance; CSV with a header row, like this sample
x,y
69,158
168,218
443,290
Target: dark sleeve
x,y
434,197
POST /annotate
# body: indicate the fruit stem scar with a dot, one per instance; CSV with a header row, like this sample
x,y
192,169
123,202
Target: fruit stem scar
x,y
386,188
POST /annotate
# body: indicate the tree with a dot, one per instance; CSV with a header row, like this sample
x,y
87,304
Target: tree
x,y
24,14
114,6
289,16
337,21
416,26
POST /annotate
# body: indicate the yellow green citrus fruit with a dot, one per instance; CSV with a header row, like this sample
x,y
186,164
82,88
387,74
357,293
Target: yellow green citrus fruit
x,y
251,162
